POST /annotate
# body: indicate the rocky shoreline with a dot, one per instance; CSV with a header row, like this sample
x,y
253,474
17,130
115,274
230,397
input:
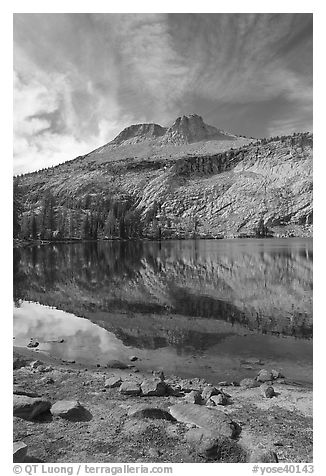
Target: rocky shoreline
x,y
64,412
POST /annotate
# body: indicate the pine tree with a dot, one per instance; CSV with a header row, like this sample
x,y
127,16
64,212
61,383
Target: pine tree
x,y
17,208
34,228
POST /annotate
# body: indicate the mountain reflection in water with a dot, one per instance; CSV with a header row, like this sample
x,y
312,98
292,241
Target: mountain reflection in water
x,y
262,285
184,303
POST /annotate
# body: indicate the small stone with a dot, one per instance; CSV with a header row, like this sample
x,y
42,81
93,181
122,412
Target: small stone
x,y
154,453
153,388
35,364
19,451
116,364
98,365
194,397
210,403
249,383
33,343
130,388
220,399
267,391
276,374
29,407
43,368
174,390
264,376
133,358
259,455
278,443
209,391
112,382
158,374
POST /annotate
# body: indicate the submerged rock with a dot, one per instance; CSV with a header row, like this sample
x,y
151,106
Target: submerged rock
x,y
29,407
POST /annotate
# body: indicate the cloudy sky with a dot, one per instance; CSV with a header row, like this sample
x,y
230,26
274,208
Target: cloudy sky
x,y
81,78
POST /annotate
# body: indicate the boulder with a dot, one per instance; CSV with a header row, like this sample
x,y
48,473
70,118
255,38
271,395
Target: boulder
x,y
249,383
209,391
29,407
112,382
133,358
153,388
116,364
259,455
69,409
264,376
146,411
130,388
202,441
19,451
267,391
208,418
208,445
193,397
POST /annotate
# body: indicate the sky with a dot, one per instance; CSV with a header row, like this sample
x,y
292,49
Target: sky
x,y
80,78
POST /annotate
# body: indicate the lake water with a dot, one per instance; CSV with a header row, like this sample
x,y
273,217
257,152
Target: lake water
x,y
209,308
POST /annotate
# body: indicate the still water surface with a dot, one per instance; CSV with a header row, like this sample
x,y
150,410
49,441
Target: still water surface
x,y
193,308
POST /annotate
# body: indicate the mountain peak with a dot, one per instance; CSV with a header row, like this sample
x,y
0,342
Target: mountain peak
x,y
192,128
138,133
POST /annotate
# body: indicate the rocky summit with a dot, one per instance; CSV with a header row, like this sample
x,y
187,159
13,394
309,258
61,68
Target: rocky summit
x,y
183,181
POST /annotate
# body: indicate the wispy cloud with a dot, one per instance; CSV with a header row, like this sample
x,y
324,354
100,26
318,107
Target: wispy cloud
x,y
81,78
